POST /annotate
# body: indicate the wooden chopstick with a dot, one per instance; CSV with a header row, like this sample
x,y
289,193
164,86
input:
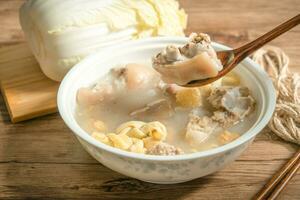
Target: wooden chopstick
x,y
281,185
280,179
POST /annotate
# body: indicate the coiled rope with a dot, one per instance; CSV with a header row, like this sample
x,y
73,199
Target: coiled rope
x,y
286,119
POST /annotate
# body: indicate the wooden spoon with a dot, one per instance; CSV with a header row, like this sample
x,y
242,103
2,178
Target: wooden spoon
x,y
231,58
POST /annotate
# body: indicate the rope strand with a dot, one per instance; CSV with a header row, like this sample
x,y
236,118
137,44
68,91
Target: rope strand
x,y
286,119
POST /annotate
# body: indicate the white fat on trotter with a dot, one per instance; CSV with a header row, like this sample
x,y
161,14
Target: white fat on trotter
x,y
195,61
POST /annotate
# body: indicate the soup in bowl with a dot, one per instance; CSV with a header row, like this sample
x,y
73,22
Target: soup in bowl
x,y
132,121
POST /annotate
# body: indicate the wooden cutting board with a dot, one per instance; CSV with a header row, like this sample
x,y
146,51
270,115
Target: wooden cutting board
x,y
27,92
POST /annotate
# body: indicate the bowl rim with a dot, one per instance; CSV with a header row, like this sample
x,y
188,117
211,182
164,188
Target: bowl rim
x,y
247,136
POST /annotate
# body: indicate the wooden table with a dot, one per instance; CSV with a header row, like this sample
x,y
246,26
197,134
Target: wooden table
x,y
40,159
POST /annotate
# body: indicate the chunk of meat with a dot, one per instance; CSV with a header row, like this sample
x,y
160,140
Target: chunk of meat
x,y
92,96
190,49
164,149
168,55
201,42
158,109
194,61
224,118
235,100
139,76
132,77
199,67
199,129
173,54
233,104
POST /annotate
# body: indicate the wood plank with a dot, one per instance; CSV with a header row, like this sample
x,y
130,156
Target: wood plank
x,y
28,93
80,181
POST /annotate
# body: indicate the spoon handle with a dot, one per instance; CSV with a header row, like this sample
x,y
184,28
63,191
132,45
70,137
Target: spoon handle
x,y
246,50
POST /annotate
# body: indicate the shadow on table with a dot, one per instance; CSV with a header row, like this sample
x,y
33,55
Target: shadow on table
x,y
135,189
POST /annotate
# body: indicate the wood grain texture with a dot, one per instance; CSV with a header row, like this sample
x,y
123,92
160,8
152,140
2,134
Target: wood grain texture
x,y
40,159
28,93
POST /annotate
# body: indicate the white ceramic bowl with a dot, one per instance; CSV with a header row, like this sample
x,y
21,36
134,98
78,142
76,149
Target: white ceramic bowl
x,y
160,169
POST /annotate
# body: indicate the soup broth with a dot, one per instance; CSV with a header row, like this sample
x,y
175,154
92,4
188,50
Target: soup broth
x,y
124,101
